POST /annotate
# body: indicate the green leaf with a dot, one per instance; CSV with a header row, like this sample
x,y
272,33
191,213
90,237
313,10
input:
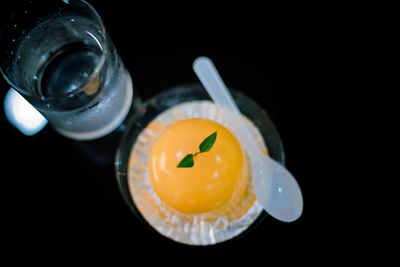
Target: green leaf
x,y
186,162
208,143
205,146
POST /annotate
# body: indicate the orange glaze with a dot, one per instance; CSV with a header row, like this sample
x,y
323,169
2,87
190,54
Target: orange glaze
x,y
216,181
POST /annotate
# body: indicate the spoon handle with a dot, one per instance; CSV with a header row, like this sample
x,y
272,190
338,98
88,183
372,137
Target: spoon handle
x,y
216,88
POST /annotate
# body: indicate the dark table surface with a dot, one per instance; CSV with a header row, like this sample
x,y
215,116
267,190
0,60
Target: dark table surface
x,y
54,198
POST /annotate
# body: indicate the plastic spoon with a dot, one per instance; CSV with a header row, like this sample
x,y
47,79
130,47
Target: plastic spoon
x,y
276,188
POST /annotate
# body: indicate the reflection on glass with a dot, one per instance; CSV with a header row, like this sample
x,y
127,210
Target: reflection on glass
x,y
22,115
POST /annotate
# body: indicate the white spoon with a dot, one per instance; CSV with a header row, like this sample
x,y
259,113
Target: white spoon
x,y
276,188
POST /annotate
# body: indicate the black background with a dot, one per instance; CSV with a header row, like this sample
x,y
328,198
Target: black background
x,y
289,59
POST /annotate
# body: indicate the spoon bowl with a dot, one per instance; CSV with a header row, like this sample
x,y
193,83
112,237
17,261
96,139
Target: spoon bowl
x,y
276,188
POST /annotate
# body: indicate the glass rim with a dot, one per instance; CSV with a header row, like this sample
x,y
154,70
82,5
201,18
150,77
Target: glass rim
x,y
103,47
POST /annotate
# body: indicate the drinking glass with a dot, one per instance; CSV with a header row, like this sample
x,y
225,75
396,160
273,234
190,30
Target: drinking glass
x,y
58,55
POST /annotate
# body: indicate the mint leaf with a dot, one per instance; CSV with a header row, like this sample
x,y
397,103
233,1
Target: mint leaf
x,y
208,143
186,162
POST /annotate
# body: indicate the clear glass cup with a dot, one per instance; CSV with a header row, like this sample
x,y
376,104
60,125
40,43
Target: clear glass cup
x,y
134,179
58,55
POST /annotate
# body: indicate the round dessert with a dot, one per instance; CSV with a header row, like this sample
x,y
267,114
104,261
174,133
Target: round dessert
x,y
217,178
209,198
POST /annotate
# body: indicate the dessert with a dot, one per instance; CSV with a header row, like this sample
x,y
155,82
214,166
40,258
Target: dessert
x,y
218,177
207,211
